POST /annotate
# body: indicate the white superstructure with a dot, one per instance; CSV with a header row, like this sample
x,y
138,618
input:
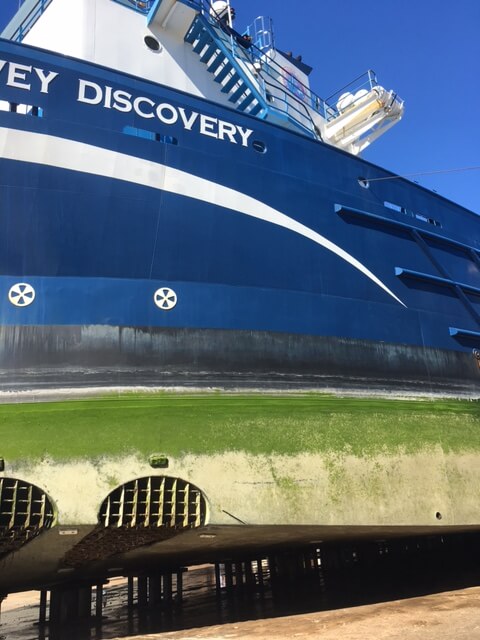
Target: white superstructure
x,y
190,45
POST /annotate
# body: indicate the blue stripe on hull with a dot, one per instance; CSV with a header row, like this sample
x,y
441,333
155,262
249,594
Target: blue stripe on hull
x,y
119,302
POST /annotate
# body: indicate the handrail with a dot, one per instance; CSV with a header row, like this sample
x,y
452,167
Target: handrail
x,y
308,116
368,79
277,71
372,76
272,70
33,10
326,108
142,6
300,108
224,43
28,14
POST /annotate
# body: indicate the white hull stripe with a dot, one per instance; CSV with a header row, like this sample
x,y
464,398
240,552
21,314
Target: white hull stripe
x,y
26,146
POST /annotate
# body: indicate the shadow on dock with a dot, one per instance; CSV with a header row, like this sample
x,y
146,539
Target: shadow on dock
x,y
320,577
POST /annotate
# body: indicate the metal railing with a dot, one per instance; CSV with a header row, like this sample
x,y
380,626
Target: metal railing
x,y
261,32
366,81
272,79
142,6
28,14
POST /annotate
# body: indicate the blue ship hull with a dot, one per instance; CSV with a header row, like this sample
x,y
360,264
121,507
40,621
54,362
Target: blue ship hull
x,y
285,256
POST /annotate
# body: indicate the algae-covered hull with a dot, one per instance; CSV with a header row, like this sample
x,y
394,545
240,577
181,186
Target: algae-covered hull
x,y
127,480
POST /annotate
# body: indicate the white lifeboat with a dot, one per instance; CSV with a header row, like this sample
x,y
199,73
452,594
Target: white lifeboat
x,y
362,117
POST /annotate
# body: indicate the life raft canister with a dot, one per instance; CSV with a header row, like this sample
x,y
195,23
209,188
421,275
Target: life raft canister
x,y
219,10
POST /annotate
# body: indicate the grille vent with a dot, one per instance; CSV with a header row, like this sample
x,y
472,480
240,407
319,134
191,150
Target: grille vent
x,y
25,510
154,501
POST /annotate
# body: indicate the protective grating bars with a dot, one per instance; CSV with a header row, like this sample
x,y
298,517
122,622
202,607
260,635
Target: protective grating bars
x,y
25,510
154,501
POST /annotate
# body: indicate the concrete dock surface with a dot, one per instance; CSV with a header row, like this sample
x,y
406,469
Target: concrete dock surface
x,y
452,615
449,615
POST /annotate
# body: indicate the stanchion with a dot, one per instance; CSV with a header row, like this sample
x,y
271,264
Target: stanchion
x,y
2,598
130,591
42,611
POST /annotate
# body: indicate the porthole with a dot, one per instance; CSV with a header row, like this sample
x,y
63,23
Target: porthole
x,y
364,183
152,43
259,146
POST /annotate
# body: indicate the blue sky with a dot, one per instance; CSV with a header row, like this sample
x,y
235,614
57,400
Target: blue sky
x,y
426,50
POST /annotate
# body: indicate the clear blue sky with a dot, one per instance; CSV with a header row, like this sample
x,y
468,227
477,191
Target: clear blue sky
x,y
426,50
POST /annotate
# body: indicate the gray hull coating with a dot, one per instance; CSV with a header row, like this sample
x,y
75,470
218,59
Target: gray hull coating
x,y
50,356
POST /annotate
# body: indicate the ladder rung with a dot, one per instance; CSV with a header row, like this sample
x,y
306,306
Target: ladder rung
x,y
256,109
231,82
222,74
249,98
208,53
193,33
236,95
204,39
217,61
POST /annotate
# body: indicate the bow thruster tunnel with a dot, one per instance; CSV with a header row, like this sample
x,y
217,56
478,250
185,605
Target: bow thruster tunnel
x,y
25,511
155,501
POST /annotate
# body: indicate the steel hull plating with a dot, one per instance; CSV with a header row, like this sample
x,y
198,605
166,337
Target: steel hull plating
x,y
282,252
107,356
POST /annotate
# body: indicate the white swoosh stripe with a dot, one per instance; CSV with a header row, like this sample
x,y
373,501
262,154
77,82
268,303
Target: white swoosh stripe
x,y
26,146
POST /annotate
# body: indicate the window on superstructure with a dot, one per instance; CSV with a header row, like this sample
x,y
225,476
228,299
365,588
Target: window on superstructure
x,y
21,109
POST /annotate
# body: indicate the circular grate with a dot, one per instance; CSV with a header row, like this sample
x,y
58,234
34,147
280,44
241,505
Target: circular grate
x,y
154,501
25,510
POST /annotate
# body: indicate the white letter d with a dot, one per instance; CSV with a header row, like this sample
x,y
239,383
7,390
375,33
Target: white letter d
x,y
83,86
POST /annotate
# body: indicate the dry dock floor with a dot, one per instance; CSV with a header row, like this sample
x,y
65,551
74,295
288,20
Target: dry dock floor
x,y
452,615
448,615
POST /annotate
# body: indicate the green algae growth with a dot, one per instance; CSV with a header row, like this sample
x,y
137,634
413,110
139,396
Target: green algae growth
x,y
178,424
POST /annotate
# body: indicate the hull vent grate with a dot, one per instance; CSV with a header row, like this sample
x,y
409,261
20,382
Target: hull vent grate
x,y
25,511
154,501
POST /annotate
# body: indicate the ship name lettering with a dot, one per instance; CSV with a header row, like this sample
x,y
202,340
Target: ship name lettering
x,y
119,100
19,76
